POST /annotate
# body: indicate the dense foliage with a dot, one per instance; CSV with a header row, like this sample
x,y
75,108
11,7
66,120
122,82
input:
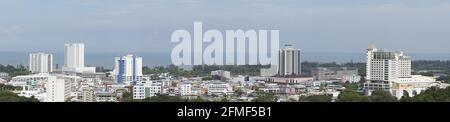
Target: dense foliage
x,y
14,71
172,69
432,94
377,96
4,87
431,65
265,97
316,98
7,96
352,96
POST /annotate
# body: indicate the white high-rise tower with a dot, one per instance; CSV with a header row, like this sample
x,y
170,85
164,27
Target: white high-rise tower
x,y
289,62
74,55
41,63
384,67
74,58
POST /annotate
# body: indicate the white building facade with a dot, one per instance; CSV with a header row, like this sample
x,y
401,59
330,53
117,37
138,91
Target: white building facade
x,y
391,71
413,85
128,69
218,87
40,63
147,89
187,89
58,89
74,58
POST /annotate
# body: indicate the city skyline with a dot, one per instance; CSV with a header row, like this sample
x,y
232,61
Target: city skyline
x,y
414,26
224,59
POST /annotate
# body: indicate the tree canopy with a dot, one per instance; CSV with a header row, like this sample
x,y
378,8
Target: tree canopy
x,y
316,98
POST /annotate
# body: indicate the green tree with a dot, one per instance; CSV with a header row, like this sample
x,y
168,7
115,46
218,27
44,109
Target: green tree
x,y
351,86
433,94
198,99
14,71
382,96
224,100
128,97
7,96
406,97
352,96
316,98
238,92
164,98
207,78
265,97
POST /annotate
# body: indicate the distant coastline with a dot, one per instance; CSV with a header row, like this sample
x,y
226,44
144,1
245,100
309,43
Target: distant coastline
x,y
163,58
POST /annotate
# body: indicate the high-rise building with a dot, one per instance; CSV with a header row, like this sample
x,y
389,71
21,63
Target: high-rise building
x,y
58,89
41,63
128,69
383,65
385,68
289,62
74,58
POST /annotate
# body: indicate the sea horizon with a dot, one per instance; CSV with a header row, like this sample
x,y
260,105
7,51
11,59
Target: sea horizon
x,y
151,59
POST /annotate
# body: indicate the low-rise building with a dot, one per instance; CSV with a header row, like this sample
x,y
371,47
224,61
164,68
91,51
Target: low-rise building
x,y
334,73
39,94
221,75
187,89
271,88
147,89
414,85
351,78
4,75
218,87
105,95
91,75
289,80
25,80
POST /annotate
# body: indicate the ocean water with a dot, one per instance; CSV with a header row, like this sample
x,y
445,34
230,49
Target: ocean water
x,y
163,58
91,59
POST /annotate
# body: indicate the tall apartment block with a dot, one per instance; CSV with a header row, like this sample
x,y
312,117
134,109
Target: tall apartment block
x,y
40,63
74,58
289,61
128,69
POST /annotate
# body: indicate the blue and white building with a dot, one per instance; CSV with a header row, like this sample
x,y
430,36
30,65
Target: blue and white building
x,y
128,69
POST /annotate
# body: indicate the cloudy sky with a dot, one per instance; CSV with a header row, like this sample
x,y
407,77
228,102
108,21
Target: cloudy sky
x,y
323,26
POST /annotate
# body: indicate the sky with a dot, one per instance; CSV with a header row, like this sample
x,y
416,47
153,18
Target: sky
x,y
319,26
